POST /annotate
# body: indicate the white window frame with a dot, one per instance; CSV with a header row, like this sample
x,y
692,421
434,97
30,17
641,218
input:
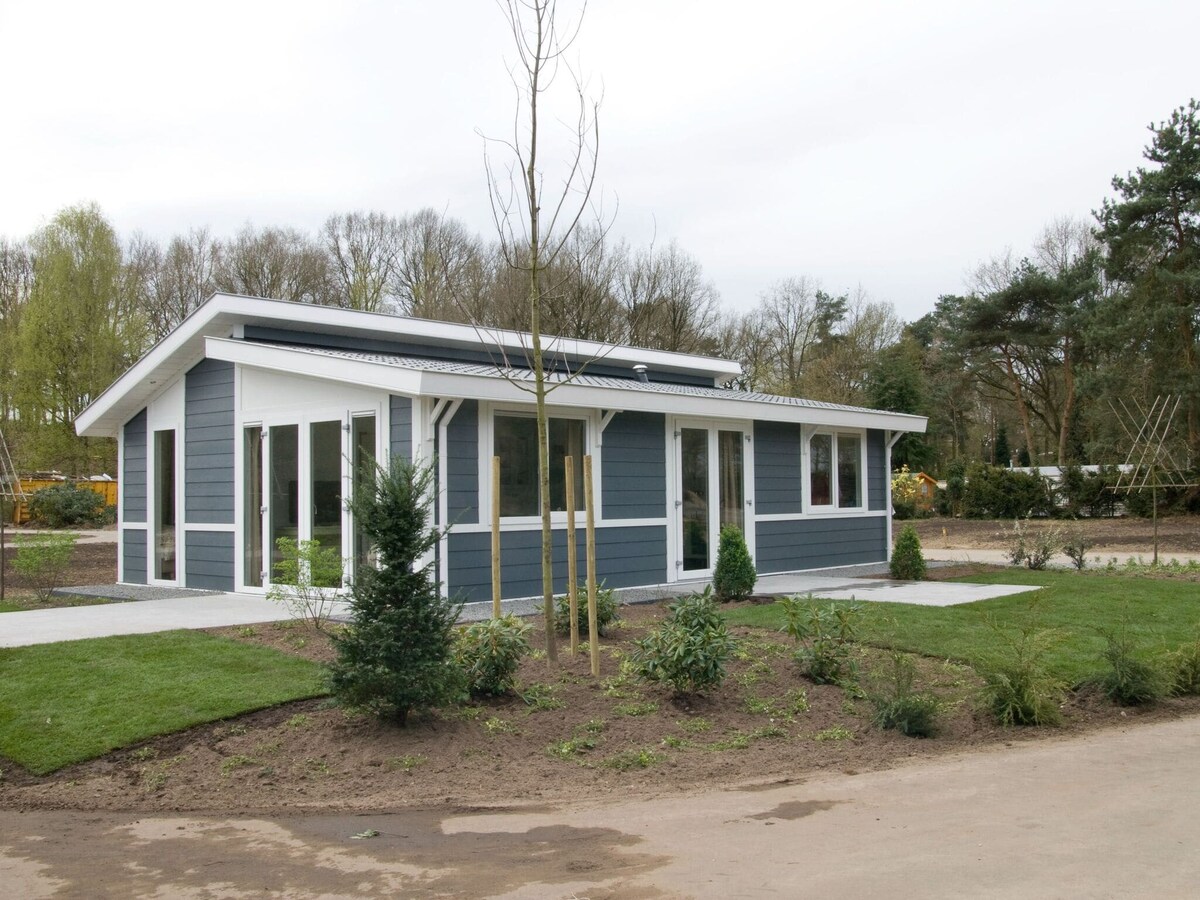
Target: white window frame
x,y
487,449
303,421
832,507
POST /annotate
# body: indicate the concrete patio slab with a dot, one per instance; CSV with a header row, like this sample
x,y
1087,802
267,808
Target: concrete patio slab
x,y
46,626
165,609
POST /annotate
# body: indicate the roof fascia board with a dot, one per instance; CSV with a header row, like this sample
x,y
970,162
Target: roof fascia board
x,y
381,324
421,382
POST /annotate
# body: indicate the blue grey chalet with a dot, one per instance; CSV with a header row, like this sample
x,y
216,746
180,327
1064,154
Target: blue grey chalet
x,y
251,421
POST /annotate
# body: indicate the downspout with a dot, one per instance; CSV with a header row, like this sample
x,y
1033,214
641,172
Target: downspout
x,y
443,412
887,474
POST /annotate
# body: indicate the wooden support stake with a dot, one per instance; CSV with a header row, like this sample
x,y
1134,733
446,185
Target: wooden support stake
x,y
593,627
572,556
495,537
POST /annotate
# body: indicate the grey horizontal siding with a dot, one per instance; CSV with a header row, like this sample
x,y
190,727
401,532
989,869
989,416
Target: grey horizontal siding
x,y
133,554
462,464
778,469
133,475
209,560
208,449
878,482
633,467
817,543
625,557
400,440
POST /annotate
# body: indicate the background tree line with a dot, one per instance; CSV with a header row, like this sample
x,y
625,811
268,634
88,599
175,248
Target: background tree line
x,y
1020,368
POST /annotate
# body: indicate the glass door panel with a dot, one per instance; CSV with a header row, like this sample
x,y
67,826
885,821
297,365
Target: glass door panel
x,y
325,471
164,505
733,489
362,475
252,506
693,451
285,488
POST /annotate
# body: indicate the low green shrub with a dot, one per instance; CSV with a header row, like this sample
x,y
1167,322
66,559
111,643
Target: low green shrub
x,y
489,653
1130,679
1018,687
898,705
1034,546
606,610
907,563
307,580
66,505
734,576
689,650
826,636
1075,545
42,560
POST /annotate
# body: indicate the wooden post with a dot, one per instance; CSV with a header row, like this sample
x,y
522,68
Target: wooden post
x,y
593,628
572,560
495,537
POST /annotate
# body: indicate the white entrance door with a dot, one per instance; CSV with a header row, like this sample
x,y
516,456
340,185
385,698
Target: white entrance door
x,y
711,490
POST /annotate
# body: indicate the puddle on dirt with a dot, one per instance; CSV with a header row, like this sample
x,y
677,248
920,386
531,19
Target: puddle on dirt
x,y
308,857
796,809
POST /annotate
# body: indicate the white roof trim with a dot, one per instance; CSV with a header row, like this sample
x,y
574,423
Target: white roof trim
x,y
427,383
223,314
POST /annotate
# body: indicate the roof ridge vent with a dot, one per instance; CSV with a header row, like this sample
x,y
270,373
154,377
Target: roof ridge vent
x,y
640,371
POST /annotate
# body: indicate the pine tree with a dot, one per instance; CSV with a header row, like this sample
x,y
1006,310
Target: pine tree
x,y
397,656
1002,456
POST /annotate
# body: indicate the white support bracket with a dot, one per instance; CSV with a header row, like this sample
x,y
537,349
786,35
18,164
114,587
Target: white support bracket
x,y
606,418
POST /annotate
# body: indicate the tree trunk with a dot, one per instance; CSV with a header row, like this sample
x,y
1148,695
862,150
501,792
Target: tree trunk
x,y
1015,383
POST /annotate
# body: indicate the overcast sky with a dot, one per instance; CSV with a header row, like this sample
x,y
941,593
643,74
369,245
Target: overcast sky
x,y
892,145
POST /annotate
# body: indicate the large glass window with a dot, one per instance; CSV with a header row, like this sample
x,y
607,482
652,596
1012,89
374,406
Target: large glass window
x,y
285,488
164,505
849,448
693,457
515,440
252,504
843,481
363,475
325,468
821,469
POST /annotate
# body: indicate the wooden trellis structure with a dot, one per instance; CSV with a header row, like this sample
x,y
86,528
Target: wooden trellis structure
x,y
1156,459
11,494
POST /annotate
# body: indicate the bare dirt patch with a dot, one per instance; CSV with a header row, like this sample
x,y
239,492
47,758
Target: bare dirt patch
x,y
91,563
571,738
1123,536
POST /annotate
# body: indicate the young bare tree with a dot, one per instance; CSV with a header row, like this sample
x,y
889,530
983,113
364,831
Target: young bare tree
x,y
534,226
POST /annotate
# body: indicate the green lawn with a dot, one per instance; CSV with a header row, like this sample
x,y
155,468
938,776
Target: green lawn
x,y
1163,613
67,702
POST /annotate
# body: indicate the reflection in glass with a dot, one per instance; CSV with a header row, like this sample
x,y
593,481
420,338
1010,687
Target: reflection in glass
x,y
693,445
733,504
849,484
821,469
252,501
325,481
164,505
285,488
363,474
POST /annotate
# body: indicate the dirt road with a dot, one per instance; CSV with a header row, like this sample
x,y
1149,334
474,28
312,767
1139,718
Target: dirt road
x,y
1110,814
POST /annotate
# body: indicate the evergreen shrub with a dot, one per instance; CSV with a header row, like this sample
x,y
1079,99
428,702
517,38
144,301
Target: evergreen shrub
x,y
397,655
734,576
907,563
689,650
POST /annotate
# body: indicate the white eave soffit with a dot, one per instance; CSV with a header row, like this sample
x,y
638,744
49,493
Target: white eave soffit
x,y
427,383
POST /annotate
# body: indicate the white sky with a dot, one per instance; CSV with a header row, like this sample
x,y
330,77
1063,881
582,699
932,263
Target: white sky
x,y
889,144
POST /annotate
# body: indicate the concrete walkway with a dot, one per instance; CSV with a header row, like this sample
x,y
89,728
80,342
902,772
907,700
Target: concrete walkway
x,y
152,609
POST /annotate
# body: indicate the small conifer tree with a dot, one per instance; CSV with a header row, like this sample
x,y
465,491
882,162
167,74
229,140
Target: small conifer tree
x,y
734,576
398,654
908,563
